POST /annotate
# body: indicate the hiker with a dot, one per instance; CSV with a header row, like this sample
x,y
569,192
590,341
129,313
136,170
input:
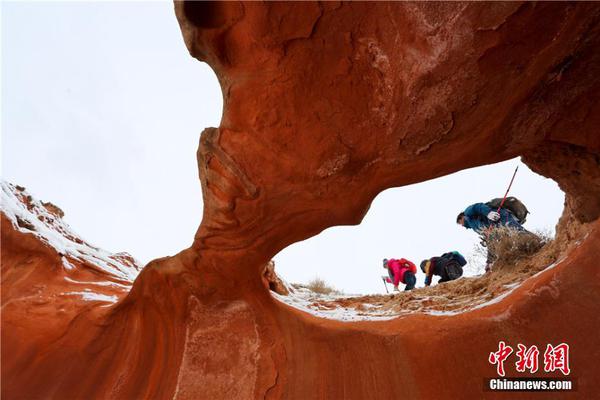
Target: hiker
x,y
400,270
480,217
449,266
483,218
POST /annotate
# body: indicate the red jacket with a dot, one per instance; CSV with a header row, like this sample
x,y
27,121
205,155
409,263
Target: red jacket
x,y
398,268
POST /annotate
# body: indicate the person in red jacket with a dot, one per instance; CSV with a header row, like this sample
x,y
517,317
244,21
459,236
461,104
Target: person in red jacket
x,y
401,270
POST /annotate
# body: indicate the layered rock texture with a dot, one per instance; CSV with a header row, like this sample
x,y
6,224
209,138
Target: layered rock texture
x,y
56,288
326,105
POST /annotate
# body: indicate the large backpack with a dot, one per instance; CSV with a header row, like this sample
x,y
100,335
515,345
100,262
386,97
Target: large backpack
x,y
455,256
512,204
453,270
450,265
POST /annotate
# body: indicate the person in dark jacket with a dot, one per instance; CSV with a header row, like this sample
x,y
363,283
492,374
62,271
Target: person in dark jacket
x,y
449,266
483,220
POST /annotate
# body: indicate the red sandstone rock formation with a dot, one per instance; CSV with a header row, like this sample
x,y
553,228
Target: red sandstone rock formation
x,y
51,279
326,105
272,281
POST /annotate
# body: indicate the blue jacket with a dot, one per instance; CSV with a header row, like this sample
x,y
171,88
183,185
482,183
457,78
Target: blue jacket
x,y
476,218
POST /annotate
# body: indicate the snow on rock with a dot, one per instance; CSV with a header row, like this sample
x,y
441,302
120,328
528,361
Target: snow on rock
x,y
324,306
345,307
91,296
44,220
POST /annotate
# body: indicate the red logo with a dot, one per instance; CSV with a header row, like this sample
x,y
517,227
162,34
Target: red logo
x,y
500,356
555,358
528,358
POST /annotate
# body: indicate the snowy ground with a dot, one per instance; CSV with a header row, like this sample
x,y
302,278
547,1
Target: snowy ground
x,y
325,306
428,301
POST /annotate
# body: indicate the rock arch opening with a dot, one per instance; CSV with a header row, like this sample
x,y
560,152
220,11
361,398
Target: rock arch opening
x,y
418,222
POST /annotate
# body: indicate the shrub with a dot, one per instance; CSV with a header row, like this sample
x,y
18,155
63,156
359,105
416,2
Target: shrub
x,y
319,286
509,246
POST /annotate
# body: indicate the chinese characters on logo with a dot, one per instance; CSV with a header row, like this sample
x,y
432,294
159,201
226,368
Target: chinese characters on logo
x,y
500,356
528,358
555,358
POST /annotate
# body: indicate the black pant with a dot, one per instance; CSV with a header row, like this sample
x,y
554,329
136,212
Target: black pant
x,y
410,279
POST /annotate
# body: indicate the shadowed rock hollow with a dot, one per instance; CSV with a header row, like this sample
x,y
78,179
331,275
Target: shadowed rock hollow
x,y
326,105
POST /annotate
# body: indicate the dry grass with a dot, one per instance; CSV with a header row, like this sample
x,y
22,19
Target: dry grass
x,y
319,286
510,246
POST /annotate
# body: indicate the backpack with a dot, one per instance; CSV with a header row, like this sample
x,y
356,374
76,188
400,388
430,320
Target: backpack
x,y
453,270
512,204
449,266
455,256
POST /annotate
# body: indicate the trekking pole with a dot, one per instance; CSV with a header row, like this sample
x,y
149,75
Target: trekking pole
x,y
507,190
384,284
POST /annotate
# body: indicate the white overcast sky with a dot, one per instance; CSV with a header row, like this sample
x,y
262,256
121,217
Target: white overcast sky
x,y
102,108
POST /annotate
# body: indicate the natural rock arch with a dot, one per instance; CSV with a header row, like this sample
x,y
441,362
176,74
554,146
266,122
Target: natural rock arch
x,y
326,105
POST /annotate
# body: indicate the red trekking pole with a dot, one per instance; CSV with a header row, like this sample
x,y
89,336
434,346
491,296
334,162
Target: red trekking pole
x,y
507,190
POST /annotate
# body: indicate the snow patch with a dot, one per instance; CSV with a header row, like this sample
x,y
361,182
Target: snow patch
x,y
68,266
321,306
91,296
106,283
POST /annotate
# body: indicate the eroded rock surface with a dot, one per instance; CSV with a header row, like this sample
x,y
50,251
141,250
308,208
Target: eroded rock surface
x,y
53,284
274,282
326,105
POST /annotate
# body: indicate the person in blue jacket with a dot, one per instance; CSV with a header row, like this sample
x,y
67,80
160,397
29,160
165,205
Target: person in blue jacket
x,y
483,220
480,218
